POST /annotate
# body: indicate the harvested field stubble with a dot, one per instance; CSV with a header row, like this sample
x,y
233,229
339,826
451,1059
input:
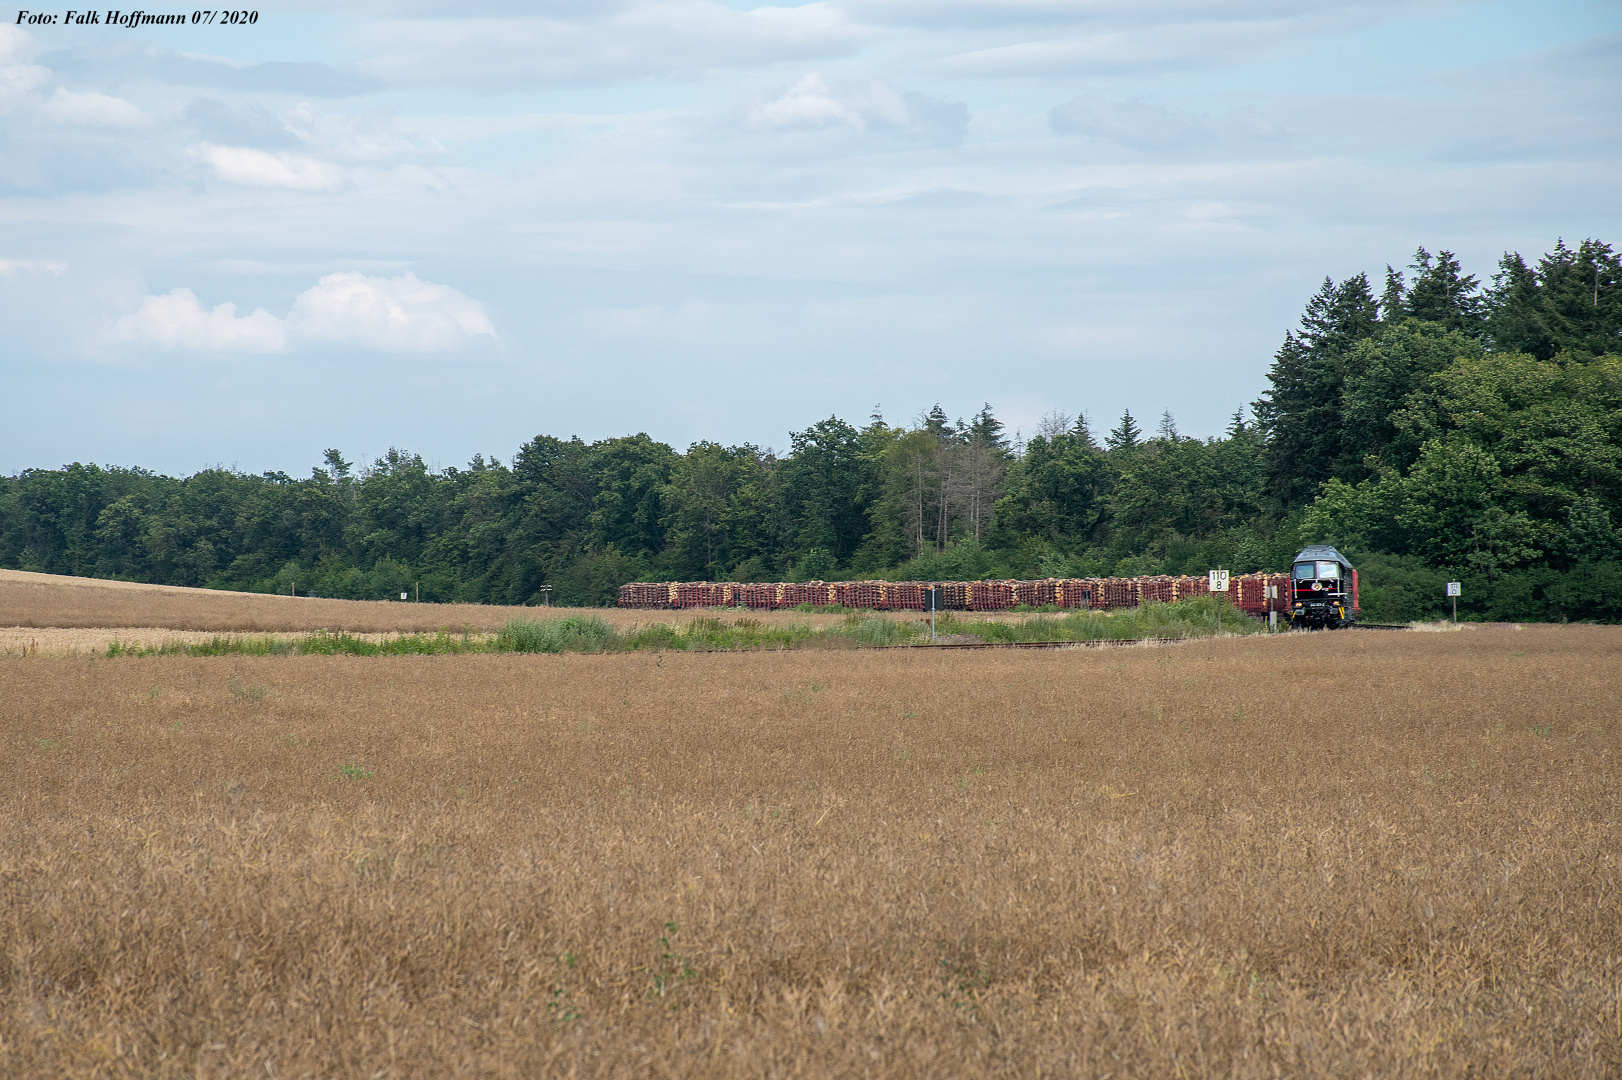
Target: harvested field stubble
x,y
1325,855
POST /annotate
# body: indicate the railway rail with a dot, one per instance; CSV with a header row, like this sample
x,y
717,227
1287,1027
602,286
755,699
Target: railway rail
x,y
1101,643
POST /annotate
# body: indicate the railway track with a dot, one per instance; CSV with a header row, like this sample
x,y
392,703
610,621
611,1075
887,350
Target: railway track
x,y
1102,643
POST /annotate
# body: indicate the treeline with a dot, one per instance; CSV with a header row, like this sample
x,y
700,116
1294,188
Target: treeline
x,y
1440,429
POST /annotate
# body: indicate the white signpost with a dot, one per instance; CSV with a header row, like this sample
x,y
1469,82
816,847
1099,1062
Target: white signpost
x,y
1453,591
1218,582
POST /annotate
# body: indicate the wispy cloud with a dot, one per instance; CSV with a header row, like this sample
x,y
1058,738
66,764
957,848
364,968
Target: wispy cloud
x,y
256,168
400,315
94,110
1149,126
655,39
873,105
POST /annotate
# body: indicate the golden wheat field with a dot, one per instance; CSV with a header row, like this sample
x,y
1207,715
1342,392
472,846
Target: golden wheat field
x,y
1335,854
51,613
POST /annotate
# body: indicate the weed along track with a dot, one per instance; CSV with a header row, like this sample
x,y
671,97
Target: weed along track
x,y
1313,855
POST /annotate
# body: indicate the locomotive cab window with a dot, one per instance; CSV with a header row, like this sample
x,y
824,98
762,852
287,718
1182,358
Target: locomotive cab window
x,y
1329,570
1303,571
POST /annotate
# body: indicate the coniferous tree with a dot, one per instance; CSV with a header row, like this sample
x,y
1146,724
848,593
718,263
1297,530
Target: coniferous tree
x,y
1581,293
1515,321
1394,301
1301,414
1125,435
1441,293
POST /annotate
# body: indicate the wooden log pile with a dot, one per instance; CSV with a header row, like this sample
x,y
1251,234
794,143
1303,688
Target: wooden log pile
x,y
991,595
1256,594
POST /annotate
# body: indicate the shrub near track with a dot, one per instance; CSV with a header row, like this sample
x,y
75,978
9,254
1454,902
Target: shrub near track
x,y
1322,855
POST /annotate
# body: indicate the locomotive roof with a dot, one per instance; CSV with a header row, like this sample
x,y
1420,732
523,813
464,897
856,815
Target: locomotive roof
x,y
1322,551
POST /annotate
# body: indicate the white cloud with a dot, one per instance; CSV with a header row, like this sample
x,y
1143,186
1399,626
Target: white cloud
x,y
94,110
808,103
401,314
606,43
811,103
18,77
178,321
10,268
256,168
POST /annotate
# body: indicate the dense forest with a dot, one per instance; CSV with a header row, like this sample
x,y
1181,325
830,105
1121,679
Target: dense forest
x,y
1438,428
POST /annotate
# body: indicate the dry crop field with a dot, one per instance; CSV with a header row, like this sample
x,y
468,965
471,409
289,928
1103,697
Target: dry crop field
x,y
40,610
1306,855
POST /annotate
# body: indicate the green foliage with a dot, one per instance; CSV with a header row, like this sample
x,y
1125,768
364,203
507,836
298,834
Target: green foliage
x,y
571,634
1194,617
1474,429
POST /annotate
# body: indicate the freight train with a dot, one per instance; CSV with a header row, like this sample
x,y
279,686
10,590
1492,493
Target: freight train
x,y
1255,594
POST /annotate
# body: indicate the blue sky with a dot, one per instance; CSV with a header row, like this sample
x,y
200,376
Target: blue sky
x,y
372,225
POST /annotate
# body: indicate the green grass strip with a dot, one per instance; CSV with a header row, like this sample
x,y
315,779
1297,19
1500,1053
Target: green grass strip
x,y
709,633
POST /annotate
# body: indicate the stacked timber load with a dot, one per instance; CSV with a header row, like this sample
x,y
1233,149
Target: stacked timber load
x,y
1073,593
1116,593
642,594
1260,593
1253,593
906,596
864,594
1036,593
991,595
1158,588
1248,593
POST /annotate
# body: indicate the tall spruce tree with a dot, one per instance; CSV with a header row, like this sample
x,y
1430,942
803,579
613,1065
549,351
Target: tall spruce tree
x,y
1581,294
1514,307
1394,301
1125,435
1441,293
1301,414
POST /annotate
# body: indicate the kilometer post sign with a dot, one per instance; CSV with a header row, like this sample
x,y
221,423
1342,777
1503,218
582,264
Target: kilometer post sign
x,y
1218,582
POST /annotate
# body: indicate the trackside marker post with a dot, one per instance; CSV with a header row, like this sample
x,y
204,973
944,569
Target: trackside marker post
x,y
1217,583
1453,591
